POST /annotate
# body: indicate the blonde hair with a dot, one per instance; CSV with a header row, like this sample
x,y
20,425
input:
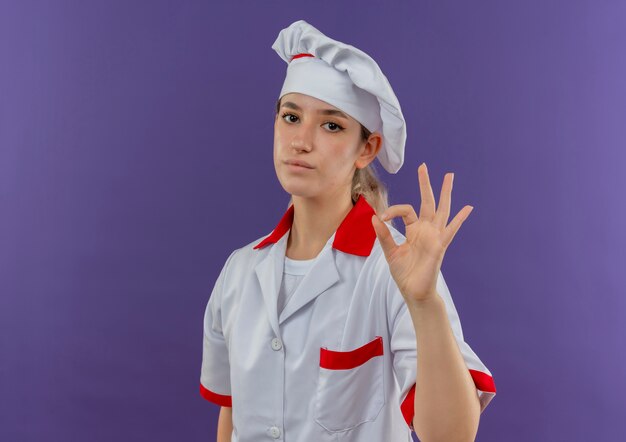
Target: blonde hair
x,y
365,181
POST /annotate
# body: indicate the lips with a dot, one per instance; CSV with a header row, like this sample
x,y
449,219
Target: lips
x,y
299,163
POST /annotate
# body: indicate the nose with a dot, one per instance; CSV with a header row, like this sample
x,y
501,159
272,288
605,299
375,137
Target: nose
x,y
302,137
299,144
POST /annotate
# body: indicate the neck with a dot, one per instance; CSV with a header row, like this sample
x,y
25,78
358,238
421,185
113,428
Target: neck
x,y
314,222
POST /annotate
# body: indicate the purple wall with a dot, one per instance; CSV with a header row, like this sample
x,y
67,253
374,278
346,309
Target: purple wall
x,y
121,124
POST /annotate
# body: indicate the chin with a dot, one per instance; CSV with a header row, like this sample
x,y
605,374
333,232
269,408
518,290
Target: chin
x,y
301,190
299,193
295,185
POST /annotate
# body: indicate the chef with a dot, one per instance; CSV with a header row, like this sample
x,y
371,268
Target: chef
x,y
335,326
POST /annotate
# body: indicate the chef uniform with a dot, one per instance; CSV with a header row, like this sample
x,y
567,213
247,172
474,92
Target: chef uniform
x,y
322,349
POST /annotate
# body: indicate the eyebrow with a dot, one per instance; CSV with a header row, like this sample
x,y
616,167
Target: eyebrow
x,y
291,105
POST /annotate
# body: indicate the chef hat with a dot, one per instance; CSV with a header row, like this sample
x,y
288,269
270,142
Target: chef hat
x,y
346,78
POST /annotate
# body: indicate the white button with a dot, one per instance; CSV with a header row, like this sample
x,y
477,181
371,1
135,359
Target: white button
x,y
275,432
276,344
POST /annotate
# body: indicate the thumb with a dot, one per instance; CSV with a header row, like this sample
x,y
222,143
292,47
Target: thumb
x,y
384,236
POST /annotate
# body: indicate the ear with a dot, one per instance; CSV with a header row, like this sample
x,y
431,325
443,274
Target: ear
x,y
370,150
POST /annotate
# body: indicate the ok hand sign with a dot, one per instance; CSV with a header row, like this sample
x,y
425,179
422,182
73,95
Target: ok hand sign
x,y
415,264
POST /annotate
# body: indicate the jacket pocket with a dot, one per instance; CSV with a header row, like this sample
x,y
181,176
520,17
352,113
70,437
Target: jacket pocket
x,y
350,388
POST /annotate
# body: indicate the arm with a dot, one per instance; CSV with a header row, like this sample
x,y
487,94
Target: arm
x,y
225,424
447,407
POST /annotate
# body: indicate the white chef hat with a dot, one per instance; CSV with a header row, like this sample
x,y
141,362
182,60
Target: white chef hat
x,y
346,78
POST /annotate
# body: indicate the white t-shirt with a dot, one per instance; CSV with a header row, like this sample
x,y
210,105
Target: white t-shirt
x,y
293,272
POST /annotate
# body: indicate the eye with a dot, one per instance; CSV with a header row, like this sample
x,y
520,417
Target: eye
x,y
333,127
332,124
287,114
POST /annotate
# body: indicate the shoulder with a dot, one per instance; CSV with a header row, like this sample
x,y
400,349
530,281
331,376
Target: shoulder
x,y
246,254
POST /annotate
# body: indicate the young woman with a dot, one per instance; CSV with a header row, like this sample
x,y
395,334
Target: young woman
x,y
336,326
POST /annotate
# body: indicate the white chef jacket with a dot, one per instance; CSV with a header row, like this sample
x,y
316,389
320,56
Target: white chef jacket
x,y
339,363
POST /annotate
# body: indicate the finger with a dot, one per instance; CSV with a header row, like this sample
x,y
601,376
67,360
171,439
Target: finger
x,y
406,211
384,236
455,225
427,207
445,200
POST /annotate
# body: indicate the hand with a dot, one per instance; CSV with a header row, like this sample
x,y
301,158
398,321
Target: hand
x,y
415,264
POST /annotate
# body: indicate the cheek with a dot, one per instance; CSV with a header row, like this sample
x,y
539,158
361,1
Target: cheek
x,y
337,165
343,158
277,143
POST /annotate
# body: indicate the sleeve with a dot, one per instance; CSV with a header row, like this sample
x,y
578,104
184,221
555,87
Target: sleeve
x,y
404,351
215,368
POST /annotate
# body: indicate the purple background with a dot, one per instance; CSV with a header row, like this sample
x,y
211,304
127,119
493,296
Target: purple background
x,y
136,153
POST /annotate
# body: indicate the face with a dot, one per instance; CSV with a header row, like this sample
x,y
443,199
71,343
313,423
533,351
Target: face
x,y
326,140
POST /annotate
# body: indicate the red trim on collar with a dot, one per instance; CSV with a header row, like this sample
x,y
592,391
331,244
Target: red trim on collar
x,y
355,234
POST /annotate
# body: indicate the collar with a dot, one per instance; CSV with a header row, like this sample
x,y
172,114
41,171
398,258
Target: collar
x,y
355,234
